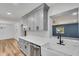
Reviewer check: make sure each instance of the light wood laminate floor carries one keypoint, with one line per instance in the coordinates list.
(10, 47)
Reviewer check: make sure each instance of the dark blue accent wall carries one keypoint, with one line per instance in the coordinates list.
(70, 30)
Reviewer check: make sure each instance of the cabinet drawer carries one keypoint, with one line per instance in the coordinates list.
(24, 45)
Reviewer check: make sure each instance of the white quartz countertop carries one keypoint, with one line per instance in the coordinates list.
(70, 48)
(36, 40)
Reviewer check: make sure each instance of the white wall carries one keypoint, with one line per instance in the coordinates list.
(7, 21)
(7, 29)
(58, 8)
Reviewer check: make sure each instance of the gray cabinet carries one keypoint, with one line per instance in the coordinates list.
(37, 19)
(24, 46)
(29, 48)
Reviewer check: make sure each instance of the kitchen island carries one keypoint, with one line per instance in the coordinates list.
(30, 44)
(49, 46)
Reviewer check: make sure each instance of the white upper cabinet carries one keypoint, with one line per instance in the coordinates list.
(37, 19)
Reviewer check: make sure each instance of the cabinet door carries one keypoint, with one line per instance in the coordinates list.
(35, 21)
(31, 23)
(39, 19)
(25, 46)
(22, 44)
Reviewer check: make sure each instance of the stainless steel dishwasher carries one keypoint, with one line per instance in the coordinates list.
(35, 50)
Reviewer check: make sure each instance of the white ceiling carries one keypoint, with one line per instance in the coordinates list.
(66, 17)
(17, 9)
(67, 14)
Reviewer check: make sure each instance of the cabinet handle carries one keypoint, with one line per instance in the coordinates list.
(25, 46)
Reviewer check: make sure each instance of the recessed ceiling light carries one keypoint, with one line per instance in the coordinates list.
(15, 4)
(9, 13)
(75, 13)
